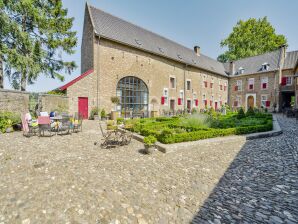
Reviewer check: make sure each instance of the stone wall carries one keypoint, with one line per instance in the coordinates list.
(48, 102)
(14, 101)
(118, 61)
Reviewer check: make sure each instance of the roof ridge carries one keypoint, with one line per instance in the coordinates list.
(254, 56)
(147, 30)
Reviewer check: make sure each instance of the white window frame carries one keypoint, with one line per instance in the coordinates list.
(291, 80)
(239, 85)
(251, 80)
(172, 77)
(264, 80)
(181, 95)
(240, 71)
(166, 96)
(263, 100)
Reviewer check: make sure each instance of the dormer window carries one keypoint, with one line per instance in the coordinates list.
(138, 42)
(265, 66)
(161, 50)
(241, 71)
(179, 56)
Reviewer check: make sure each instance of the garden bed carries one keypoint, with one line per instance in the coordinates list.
(200, 126)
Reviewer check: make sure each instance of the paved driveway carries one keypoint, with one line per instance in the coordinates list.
(69, 180)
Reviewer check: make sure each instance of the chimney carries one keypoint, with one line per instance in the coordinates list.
(232, 68)
(197, 50)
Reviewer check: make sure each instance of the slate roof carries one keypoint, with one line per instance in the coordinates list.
(114, 28)
(253, 65)
(291, 60)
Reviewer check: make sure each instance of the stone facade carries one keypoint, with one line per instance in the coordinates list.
(47, 102)
(15, 101)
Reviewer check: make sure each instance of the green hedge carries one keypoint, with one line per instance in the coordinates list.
(8, 119)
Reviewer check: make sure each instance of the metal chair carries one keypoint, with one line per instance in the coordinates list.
(44, 124)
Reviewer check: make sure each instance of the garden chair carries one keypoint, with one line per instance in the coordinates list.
(64, 127)
(44, 124)
(125, 137)
(110, 138)
(77, 123)
(28, 129)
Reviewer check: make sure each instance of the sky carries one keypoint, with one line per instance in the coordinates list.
(192, 22)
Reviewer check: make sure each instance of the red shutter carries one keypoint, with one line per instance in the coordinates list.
(264, 86)
(162, 100)
(179, 101)
(210, 103)
(283, 81)
(236, 88)
(267, 103)
(206, 102)
(251, 86)
(197, 102)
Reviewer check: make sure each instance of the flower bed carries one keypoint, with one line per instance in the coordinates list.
(200, 126)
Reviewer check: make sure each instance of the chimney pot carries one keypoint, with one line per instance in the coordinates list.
(197, 50)
(232, 68)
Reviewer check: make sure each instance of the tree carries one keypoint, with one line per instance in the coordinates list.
(1, 74)
(33, 36)
(249, 38)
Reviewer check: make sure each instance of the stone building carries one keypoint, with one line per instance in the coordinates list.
(151, 73)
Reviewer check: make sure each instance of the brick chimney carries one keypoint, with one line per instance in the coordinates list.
(197, 50)
(232, 68)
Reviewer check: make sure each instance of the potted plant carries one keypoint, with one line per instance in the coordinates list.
(274, 107)
(149, 143)
(114, 113)
(94, 114)
(103, 115)
(154, 113)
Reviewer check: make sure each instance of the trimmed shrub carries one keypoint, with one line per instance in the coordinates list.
(120, 120)
(241, 113)
(250, 112)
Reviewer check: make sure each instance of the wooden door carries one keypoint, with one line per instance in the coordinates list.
(83, 107)
(172, 105)
(250, 102)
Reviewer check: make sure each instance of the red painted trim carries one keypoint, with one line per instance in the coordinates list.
(76, 80)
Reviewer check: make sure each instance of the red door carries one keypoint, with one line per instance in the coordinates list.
(83, 107)
(215, 105)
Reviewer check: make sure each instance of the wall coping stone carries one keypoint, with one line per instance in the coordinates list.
(14, 91)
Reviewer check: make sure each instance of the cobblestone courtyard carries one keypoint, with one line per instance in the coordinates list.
(66, 179)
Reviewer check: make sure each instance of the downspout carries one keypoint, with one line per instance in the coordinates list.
(97, 71)
(184, 94)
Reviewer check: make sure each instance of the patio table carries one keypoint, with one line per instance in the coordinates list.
(57, 120)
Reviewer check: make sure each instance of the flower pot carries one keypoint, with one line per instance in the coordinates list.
(149, 149)
(114, 115)
(96, 117)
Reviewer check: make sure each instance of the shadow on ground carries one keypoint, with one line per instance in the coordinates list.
(260, 185)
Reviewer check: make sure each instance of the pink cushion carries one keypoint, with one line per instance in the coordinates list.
(43, 120)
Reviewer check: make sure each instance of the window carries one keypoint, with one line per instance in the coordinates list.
(205, 84)
(211, 85)
(225, 87)
(288, 81)
(166, 96)
(133, 95)
(237, 102)
(264, 101)
(264, 82)
(188, 85)
(265, 66)
(238, 86)
(220, 85)
(181, 98)
(204, 99)
(172, 82)
(211, 101)
(220, 101)
(195, 100)
(251, 82)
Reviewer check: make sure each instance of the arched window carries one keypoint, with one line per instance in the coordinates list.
(133, 95)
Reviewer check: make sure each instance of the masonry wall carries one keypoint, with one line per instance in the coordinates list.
(87, 44)
(86, 87)
(14, 101)
(47, 102)
(118, 61)
(257, 91)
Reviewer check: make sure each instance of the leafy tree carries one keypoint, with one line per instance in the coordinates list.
(249, 38)
(33, 36)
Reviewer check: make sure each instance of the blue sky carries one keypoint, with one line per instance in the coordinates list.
(191, 22)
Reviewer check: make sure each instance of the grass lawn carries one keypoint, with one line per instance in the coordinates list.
(200, 126)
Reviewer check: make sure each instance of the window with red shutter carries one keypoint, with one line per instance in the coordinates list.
(283, 81)
(197, 102)
(206, 84)
(267, 103)
(162, 100)
(236, 88)
(179, 101)
(210, 103)
(251, 86)
(264, 86)
(206, 102)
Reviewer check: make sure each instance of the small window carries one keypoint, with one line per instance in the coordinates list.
(166, 95)
(264, 101)
(188, 85)
(241, 71)
(265, 66)
(289, 81)
(238, 86)
(264, 82)
(251, 82)
(181, 96)
(172, 82)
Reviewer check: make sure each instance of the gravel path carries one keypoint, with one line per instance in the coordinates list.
(261, 185)
(66, 179)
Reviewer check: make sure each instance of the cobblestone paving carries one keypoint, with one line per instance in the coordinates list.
(261, 185)
(66, 179)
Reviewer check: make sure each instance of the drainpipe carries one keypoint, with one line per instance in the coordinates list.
(184, 94)
(98, 72)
